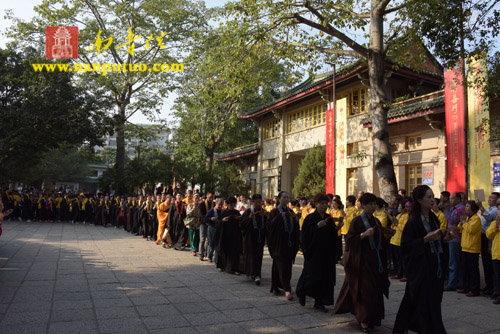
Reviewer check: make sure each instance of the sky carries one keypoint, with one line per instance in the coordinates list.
(23, 9)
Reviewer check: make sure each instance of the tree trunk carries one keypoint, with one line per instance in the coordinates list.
(377, 106)
(209, 159)
(120, 151)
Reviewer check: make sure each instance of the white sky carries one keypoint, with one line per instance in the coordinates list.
(23, 9)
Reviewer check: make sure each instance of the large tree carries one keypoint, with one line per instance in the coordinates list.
(40, 112)
(228, 73)
(135, 32)
(315, 31)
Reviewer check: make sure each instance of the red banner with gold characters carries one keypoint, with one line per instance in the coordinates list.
(330, 148)
(455, 135)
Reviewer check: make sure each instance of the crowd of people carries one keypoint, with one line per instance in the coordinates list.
(421, 240)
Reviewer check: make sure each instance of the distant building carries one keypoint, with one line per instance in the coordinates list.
(161, 136)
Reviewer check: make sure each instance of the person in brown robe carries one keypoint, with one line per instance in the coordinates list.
(228, 238)
(366, 281)
(253, 231)
(283, 243)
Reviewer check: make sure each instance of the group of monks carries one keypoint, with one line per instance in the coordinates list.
(364, 236)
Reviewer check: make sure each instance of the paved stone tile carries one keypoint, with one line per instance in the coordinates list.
(72, 315)
(265, 326)
(35, 297)
(148, 300)
(209, 318)
(230, 328)
(78, 272)
(179, 330)
(156, 310)
(129, 325)
(71, 296)
(112, 302)
(21, 318)
(82, 326)
(230, 304)
(72, 305)
(108, 294)
(165, 321)
(244, 314)
(31, 328)
(29, 306)
(119, 312)
(194, 308)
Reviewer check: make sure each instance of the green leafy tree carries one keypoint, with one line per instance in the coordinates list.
(41, 112)
(312, 173)
(164, 27)
(229, 182)
(312, 31)
(228, 73)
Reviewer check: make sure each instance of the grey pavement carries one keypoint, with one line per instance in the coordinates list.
(64, 278)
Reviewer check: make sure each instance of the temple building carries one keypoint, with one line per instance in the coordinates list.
(292, 124)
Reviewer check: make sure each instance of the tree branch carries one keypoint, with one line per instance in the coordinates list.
(351, 53)
(329, 29)
(394, 9)
(353, 13)
(381, 6)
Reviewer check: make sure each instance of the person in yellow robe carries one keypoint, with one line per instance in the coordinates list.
(162, 214)
(443, 222)
(493, 234)
(398, 225)
(470, 226)
(338, 214)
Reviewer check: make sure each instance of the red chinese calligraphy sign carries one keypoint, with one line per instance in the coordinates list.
(61, 42)
(330, 148)
(455, 136)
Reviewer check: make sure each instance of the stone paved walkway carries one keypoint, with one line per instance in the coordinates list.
(64, 278)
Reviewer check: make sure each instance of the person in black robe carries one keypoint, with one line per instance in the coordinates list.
(228, 238)
(98, 211)
(422, 250)
(283, 242)
(135, 214)
(128, 214)
(365, 265)
(319, 244)
(253, 231)
(175, 223)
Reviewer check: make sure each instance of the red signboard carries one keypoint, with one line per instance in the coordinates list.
(330, 148)
(61, 42)
(455, 135)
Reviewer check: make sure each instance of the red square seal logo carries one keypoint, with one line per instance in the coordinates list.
(61, 42)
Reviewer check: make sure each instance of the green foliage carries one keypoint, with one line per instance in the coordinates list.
(229, 182)
(130, 92)
(312, 173)
(228, 73)
(149, 167)
(42, 111)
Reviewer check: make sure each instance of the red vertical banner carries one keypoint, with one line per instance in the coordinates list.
(330, 148)
(455, 136)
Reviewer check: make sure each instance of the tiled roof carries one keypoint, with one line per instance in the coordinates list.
(404, 108)
(238, 152)
(316, 80)
(308, 83)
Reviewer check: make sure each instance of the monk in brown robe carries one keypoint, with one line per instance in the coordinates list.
(366, 281)
(253, 232)
(283, 243)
